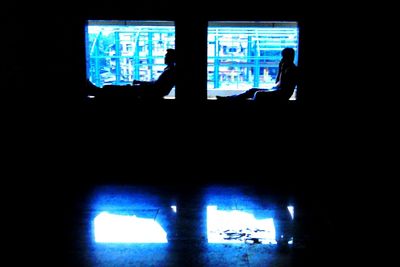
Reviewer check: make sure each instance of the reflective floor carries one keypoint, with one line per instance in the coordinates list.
(127, 225)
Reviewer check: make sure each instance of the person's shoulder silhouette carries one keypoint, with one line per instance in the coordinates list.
(285, 83)
(167, 79)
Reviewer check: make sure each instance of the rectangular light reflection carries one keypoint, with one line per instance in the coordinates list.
(236, 226)
(112, 228)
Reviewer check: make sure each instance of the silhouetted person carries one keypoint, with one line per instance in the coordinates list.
(285, 83)
(142, 89)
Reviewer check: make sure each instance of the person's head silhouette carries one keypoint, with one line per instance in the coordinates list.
(170, 57)
(288, 54)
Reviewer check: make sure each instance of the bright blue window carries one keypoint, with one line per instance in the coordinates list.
(119, 51)
(246, 54)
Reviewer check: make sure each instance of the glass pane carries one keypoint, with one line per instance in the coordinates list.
(244, 55)
(118, 52)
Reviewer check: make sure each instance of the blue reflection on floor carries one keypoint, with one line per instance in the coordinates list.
(114, 228)
(145, 226)
(238, 226)
(127, 226)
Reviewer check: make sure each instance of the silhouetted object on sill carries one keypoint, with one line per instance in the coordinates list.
(285, 83)
(148, 90)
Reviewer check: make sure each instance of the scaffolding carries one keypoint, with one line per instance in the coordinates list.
(241, 55)
(246, 56)
(118, 53)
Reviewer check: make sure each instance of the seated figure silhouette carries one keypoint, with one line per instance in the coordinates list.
(285, 83)
(141, 89)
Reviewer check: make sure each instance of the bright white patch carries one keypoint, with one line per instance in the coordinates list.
(111, 228)
(291, 211)
(173, 208)
(237, 227)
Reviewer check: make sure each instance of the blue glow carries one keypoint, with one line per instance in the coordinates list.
(120, 51)
(246, 54)
(236, 226)
(291, 211)
(112, 228)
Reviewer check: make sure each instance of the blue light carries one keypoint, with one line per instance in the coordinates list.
(236, 226)
(291, 211)
(112, 228)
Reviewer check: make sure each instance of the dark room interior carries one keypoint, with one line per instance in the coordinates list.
(190, 152)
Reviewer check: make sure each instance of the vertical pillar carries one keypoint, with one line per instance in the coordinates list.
(191, 49)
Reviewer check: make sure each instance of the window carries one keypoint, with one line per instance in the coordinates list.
(120, 51)
(246, 54)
